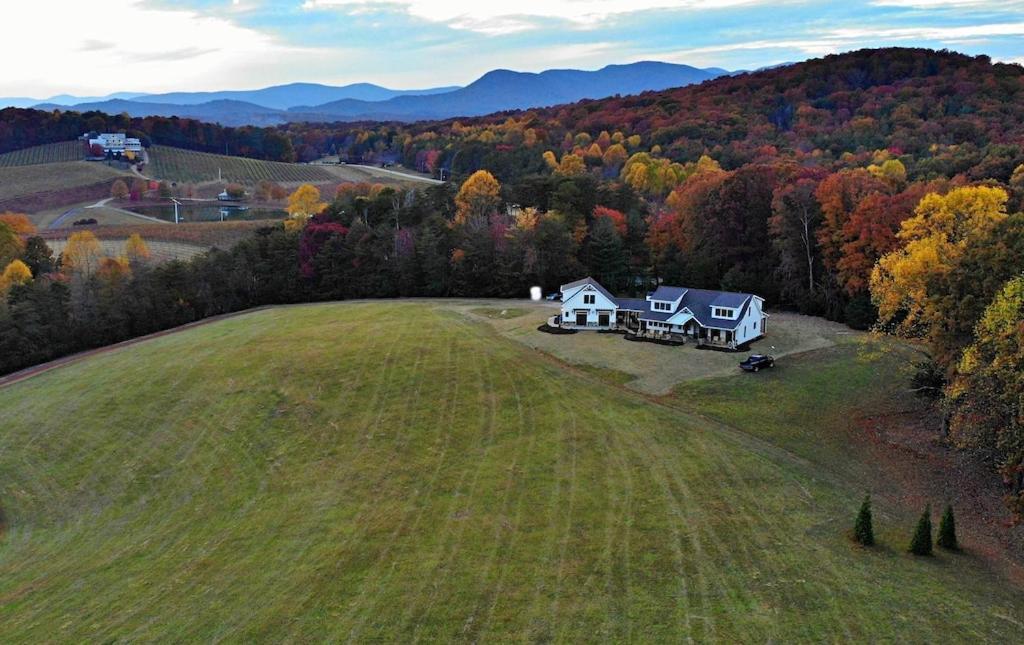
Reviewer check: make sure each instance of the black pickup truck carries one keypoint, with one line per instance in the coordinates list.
(755, 362)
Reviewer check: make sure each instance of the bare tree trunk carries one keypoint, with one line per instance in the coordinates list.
(806, 221)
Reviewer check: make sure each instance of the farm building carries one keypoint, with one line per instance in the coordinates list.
(117, 143)
(715, 318)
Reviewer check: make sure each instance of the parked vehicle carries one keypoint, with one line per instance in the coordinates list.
(553, 296)
(755, 362)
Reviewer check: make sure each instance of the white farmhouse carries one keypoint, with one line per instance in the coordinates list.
(117, 143)
(717, 318)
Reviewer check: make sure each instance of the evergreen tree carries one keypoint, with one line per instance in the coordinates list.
(863, 532)
(607, 258)
(921, 544)
(947, 530)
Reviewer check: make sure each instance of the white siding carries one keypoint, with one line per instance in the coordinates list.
(576, 303)
(750, 327)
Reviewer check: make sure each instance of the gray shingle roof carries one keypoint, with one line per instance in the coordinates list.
(731, 300)
(670, 294)
(585, 281)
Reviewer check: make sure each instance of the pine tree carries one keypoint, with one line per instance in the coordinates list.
(921, 544)
(863, 532)
(947, 530)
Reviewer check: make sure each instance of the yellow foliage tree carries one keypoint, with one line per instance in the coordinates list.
(934, 238)
(527, 218)
(11, 244)
(892, 172)
(82, 254)
(571, 165)
(303, 204)
(17, 272)
(615, 155)
(136, 249)
(550, 159)
(479, 196)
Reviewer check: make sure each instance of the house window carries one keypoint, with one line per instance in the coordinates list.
(589, 299)
(720, 312)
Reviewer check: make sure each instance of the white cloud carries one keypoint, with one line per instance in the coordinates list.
(949, 4)
(71, 46)
(495, 17)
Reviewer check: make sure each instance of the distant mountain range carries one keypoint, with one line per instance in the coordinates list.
(495, 91)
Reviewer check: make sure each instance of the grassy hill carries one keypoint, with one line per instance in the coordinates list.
(321, 472)
(177, 164)
(54, 178)
(49, 153)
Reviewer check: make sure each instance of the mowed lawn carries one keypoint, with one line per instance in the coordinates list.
(400, 471)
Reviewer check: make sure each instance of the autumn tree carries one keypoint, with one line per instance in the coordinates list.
(571, 165)
(138, 189)
(114, 270)
(15, 273)
(479, 197)
(303, 204)
(985, 396)
(237, 191)
(961, 295)
(19, 223)
(943, 225)
(839, 195)
(119, 190)
(82, 254)
(136, 249)
(550, 159)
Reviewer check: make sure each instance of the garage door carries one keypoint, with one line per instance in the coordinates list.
(581, 319)
(602, 320)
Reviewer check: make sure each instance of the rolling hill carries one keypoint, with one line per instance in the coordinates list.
(321, 473)
(495, 91)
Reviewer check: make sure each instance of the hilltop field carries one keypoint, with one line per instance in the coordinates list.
(180, 165)
(417, 470)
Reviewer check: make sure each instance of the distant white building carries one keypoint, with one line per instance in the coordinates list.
(117, 143)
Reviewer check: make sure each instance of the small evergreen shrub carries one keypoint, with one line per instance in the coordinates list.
(947, 530)
(863, 532)
(921, 544)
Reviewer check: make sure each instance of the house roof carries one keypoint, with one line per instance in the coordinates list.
(728, 299)
(584, 282)
(698, 301)
(669, 294)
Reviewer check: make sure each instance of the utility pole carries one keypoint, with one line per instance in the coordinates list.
(176, 205)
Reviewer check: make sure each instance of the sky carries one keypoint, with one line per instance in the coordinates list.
(102, 46)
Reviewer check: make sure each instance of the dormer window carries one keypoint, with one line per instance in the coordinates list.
(722, 312)
(662, 306)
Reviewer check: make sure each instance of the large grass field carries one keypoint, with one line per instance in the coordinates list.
(49, 153)
(176, 164)
(403, 471)
(19, 181)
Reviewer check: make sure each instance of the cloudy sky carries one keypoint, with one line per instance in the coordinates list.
(101, 46)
